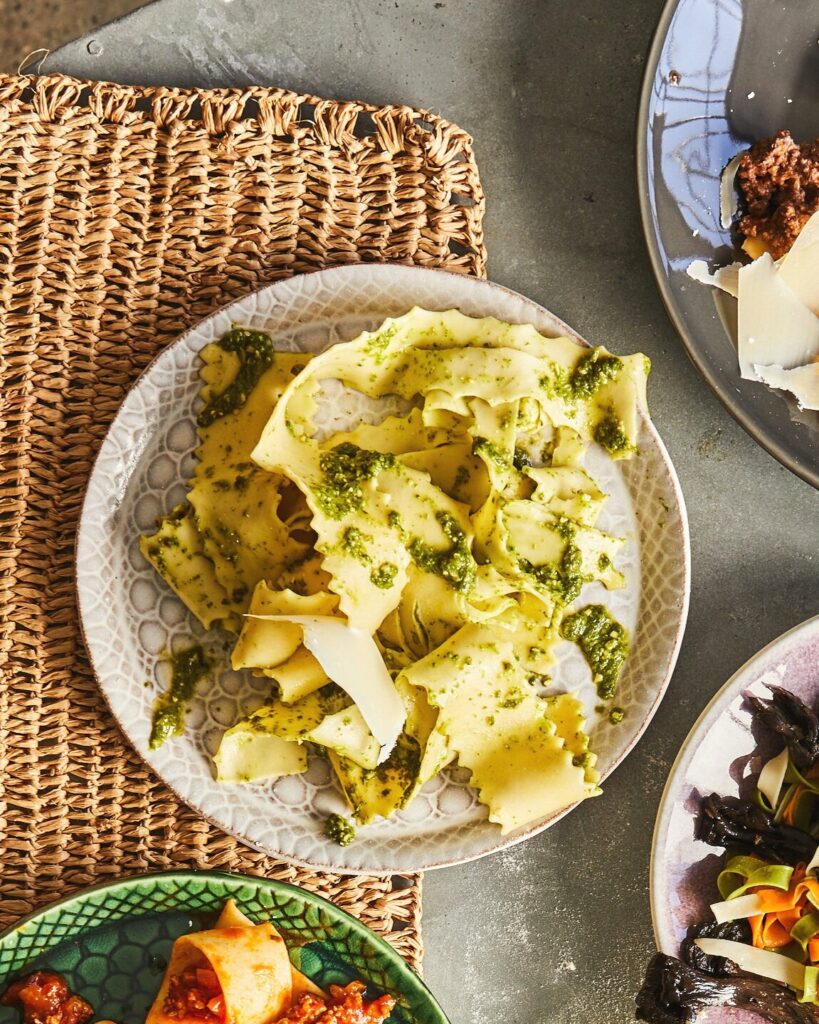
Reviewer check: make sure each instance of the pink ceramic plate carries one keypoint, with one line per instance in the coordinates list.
(722, 754)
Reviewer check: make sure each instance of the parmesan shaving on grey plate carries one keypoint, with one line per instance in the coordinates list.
(778, 315)
(801, 381)
(724, 278)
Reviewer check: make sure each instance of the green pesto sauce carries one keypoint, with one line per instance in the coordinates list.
(255, 352)
(396, 523)
(384, 575)
(616, 716)
(564, 582)
(352, 542)
(512, 699)
(169, 714)
(401, 767)
(339, 830)
(405, 760)
(592, 372)
(242, 482)
(157, 545)
(462, 477)
(583, 760)
(557, 383)
(490, 452)
(226, 540)
(563, 527)
(377, 346)
(611, 435)
(156, 549)
(346, 467)
(521, 459)
(604, 643)
(397, 774)
(455, 563)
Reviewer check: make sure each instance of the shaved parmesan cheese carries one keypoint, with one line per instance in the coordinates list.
(778, 314)
(761, 962)
(774, 325)
(801, 381)
(728, 200)
(733, 910)
(771, 778)
(724, 278)
(799, 268)
(814, 861)
(351, 659)
(265, 645)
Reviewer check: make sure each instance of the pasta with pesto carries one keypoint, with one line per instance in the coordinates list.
(403, 583)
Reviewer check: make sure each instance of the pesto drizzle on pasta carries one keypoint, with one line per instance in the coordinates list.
(453, 537)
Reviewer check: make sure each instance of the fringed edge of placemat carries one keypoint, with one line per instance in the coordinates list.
(282, 114)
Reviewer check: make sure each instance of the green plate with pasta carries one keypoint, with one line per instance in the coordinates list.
(113, 943)
(403, 560)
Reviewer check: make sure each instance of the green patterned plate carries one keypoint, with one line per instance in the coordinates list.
(112, 942)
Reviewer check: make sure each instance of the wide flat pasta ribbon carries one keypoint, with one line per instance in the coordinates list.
(500, 729)
(251, 965)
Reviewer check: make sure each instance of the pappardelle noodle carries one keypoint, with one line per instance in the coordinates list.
(403, 581)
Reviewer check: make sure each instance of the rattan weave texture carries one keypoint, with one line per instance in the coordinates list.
(127, 214)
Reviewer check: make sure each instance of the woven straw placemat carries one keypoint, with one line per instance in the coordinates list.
(126, 215)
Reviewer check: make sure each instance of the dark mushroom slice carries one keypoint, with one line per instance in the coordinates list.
(677, 993)
(789, 717)
(739, 825)
(734, 931)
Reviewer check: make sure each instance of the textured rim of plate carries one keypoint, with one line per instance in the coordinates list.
(724, 695)
(503, 842)
(734, 406)
(383, 947)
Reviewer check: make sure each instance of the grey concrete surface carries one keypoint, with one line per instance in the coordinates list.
(558, 929)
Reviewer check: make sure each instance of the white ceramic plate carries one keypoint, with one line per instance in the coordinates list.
(130, 617)
(720, 755)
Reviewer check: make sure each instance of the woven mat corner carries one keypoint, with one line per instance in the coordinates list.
(126, 215)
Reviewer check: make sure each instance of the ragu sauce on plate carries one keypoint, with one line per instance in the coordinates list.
(45, 998)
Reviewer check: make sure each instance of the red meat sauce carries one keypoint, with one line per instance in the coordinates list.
(195, 994)
(342, 1006)
(778, 180)
(45, 998)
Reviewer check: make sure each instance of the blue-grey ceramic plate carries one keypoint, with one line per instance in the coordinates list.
(721, 74)
(112, 942)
